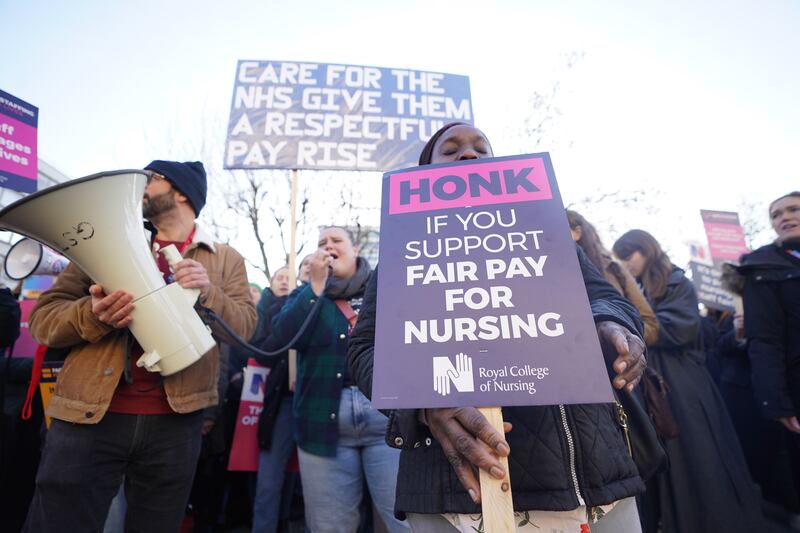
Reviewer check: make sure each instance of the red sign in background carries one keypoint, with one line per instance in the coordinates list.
(244, 448)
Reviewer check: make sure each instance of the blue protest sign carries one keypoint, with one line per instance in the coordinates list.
(298, 115)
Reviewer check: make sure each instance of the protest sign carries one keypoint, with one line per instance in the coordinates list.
(481, 301)
(47, 384)
(18, 159)
(244, 448)
(707, 282)
(25, 345)
(299, 115)
(725, 235)
(726, 243)
(699, 252)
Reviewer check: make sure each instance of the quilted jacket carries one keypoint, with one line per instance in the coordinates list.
(562, 456)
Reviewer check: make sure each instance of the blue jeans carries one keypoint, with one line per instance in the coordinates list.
(83, 465)
(115, 521)
(332, 486)
(272, 470)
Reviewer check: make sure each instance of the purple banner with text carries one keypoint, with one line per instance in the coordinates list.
(18, 159)
(481, 301)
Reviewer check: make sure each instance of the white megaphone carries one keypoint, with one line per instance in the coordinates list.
(96, 222)
(27, 257)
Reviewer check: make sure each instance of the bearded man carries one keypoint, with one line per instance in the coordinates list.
(113, 421)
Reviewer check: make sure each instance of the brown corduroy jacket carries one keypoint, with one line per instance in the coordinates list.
(63, 318)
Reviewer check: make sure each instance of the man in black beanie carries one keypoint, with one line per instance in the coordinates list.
(111, 419)
(188, 178)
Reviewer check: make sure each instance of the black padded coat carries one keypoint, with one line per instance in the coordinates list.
(562, 456)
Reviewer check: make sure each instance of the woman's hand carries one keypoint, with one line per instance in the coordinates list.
(469, 441)
(319, 265)
(627, 350)
(790, 423)
(738, 326)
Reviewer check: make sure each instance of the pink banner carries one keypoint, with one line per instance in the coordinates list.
(726, 239)
(498, 182)
(25, 345)
(18, 157)
(244, 449)
(17, 148)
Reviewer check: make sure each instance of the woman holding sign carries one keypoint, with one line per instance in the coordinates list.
(569, 465)
(708, 487)
(338, 433)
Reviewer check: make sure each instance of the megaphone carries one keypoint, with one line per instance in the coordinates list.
(27, 258)
(96, 222)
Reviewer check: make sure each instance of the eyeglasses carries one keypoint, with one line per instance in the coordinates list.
(153, 176)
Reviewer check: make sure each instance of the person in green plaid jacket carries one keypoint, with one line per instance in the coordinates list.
(339, 435)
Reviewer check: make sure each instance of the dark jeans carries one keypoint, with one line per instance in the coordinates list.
(83, 466)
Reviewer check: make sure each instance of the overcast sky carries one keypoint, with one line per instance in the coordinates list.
(694, 102)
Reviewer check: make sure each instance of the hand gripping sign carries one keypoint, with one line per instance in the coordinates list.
(481, 301)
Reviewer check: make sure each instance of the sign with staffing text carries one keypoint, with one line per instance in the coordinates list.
(481, 301)
(338, 117)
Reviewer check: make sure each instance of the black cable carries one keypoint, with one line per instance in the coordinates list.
(212, 316)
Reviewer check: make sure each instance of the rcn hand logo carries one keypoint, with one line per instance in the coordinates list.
(444, 372)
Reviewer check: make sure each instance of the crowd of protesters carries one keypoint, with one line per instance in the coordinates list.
(717, 392)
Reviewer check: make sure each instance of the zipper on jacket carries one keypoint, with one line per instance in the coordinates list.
(571, 445)
(623, 423)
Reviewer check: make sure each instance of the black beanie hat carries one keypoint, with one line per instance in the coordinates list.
(189, 178)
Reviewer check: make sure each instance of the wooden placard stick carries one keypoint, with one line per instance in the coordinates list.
(496, 503)
(293, 269)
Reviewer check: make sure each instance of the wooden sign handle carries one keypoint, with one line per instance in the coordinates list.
(496, 503)
(293, 268)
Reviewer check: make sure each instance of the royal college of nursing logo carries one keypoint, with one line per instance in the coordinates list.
(460, 374)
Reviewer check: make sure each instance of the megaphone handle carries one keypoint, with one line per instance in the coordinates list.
(172, 255)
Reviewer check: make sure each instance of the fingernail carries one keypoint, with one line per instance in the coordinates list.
(622, 366)
(497, 472)
(503, 448)
(473, 495)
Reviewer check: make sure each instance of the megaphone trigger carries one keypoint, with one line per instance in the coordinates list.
(172, 255)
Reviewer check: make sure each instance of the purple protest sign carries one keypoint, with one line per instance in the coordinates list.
(18, 160)
(481, 301)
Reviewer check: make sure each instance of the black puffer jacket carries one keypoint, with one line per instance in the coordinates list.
(772, 328)
(562, 456)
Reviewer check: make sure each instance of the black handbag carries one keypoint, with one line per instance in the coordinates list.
(644, 444)
(655, 391)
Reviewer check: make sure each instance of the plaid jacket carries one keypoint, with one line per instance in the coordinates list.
(321, 360)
